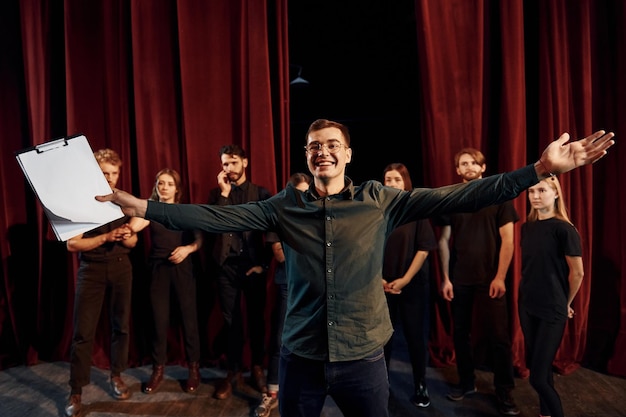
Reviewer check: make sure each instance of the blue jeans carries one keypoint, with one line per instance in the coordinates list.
(360, 388)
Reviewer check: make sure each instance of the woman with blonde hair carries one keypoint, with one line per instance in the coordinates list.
(552, 271)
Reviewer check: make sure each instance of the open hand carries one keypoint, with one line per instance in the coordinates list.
(563, 155)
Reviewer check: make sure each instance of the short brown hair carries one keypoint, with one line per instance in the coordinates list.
(473, 152)
(320, 124)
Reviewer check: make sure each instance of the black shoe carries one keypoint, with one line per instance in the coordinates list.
(421, 398)
(73, 406)
(506, 404)
(459, 392)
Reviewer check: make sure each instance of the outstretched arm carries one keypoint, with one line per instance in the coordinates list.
(131, 205)
(562, 156)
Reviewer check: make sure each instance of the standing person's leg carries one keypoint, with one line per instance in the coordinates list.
(120, 275)
(255, 291)
(548, 335)
(160, 282)
(185, 288)
(462, 316)
(269, 400)
(360, 388)
(495, 314)
(278, 320)
(393, 304)
(415, 310)
(88, 300)
(303, 387)
(230, 298)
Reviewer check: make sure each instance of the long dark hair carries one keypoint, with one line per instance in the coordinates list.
(176, 176)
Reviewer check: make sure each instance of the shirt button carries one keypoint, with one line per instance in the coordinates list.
(328, 243)
(331, 297)
(328, 218)
(331, 323)
(329, 270)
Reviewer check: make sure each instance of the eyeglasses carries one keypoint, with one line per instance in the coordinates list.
(333, 147)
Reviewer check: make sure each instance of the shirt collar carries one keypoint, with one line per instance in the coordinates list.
(347, 193)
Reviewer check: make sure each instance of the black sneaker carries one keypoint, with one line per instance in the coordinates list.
(459, 392)
(506, 404)
(421, 398)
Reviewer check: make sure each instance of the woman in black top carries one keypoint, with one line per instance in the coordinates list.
(406, 284)
(172, 268)
(552, 271)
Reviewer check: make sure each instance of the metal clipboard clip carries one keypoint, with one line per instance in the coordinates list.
(55, 144)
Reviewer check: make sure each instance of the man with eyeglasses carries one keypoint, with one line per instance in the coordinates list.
(333, 236)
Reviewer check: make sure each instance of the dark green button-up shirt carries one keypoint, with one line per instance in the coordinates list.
(334, 246)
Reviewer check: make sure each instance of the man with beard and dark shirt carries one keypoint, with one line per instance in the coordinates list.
(474, 269)
(240, 259)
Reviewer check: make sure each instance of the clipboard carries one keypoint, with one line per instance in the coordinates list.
(66, 177)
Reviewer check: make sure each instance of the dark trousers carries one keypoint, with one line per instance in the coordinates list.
(542, 339)
(94, 280)
(411, 308)
(167, 276)
(493, 318)
(360, 388)
(232, 284)
(278, 320)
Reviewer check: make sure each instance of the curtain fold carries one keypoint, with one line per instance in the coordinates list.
(166, 83)
(507, 78)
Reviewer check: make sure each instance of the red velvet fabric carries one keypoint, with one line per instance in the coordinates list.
(166, 83)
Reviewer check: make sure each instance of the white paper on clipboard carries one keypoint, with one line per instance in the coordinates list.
(66, 177)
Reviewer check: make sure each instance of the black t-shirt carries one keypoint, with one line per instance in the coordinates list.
(475, 243)
(544, 288)
(403, 244)
(109, 250)
(163, 240)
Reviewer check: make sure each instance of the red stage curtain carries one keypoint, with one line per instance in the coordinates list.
(166, 83)
(508, 77)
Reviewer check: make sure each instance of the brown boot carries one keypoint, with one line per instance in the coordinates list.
(193, 381)
(119, 389)
(258, 377)
(155, 379)
(73, 406)
(224, 388)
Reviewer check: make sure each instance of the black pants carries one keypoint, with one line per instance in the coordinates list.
(179, 277)
(94, 280)
(232, 284)
(412, 309)
(542, 339)
(493, 317)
